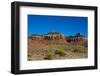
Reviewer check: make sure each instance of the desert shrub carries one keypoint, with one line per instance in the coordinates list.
(75, 50)
(49, 55)
(80, 49)
(29, 59)
(29, 55)
(61, 52)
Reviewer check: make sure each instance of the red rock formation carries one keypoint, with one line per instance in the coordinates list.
(56, 38)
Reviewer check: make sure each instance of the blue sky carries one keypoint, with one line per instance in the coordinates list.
(67, 25)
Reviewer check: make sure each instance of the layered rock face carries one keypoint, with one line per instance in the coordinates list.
(77, 39)
(49, 36)
(56, 37)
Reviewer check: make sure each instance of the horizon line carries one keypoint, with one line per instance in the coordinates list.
(58, 32)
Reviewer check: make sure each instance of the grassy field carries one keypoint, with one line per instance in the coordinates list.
(41, 50)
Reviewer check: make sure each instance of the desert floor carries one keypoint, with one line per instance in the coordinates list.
(38, 50)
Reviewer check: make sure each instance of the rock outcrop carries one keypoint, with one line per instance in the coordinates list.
(56, 37)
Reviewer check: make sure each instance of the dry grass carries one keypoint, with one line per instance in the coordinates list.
(44, 50)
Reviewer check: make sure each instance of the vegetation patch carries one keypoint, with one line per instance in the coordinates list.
(79, 49)
(60, 52)
(49, 55)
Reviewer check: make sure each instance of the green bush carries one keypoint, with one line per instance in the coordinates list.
(49, 55)
(76, 50)
(61, 52)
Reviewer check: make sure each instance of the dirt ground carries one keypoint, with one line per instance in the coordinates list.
(38, 50)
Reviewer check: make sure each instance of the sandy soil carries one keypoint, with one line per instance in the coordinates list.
(37, 50)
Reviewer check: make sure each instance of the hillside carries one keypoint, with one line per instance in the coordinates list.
(57, 45)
